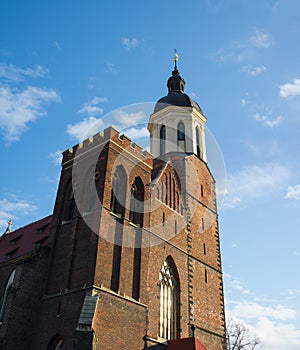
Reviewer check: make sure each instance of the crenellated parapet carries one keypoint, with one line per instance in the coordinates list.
(100, 139)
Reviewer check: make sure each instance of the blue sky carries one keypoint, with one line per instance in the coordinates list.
(66, 64)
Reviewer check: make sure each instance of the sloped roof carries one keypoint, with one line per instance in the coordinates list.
(185, 344)
(25, 239)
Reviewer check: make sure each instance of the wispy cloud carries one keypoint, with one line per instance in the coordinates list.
(238, 285)
(56, 44)
(253, 71)
(293, 192)
(91, 124)
(267, 121)
(129, 43)
(240, 51)
(19, 107)
(111, 68)
(56, 156)
(261, 39)
(123, 119)
(13, 73)
(21, 104)
(92, 107)
(12, 208)
(255, 181)
(290, 89)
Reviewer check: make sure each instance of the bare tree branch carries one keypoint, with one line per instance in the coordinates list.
(240, 338)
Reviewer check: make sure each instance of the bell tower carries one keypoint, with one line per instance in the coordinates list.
(174, 129)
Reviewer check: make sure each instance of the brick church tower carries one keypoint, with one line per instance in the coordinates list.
(133, 256)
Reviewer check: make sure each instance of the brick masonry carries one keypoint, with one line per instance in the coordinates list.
(180, 222)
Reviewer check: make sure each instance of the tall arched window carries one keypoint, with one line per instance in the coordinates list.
(117, 205)
(69, 204)
(91, 190)
(169, 321)
(137, 217)
(181, 137)
(6, 293)
(162, 137)
(118, 193)
(198, 142)
(137, 202)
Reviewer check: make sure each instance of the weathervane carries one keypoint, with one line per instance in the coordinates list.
(176, 58)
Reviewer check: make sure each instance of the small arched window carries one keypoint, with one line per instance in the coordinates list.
(162, 137)
(6, 293)
(118, 192)
(169, 320)
(181, 137)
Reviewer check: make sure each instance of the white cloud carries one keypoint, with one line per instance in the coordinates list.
(20, 107)
(13, 73)
(274, 324)
(122, 119)
(267, 121)
(255, 181)
(136, 133)
(261, 39)
(253, 70)
(293, 192)
(231, 202)
(85, 128)
(56, 156)
(13, 208)
(19, 104)
(252, 310)
(238, 284)
(92, 108)
(129, 44)
(290, 89)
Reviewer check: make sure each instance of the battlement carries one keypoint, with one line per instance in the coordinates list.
(109, 134)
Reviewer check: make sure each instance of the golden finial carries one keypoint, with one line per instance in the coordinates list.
(176, 58)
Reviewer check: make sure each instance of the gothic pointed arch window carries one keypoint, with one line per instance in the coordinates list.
(137, 202)
(181, 137)
(137, 217)
(6, 293)
(91, 190)
(118, 192)
(162, 137)
(117, 206)
(69, 204)
(169, 320)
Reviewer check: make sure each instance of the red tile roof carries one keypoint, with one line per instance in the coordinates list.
(185, 344)
(25, 239)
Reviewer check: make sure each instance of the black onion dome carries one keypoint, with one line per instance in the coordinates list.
(176, 99)
(176, 95)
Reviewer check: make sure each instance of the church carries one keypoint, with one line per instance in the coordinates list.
(130, 257)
